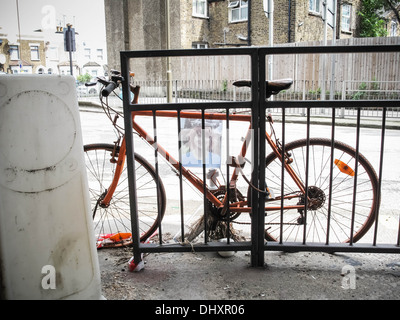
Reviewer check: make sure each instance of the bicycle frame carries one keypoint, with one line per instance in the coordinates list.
(238, 207)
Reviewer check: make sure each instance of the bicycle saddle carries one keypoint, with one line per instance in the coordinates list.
(272, 87)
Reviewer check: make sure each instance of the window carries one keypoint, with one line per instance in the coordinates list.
(393, 28)
(200, 8)
(99, 54)
(14, 52)
(52, 53)
(346, 14)
(87, 53)
(314, 6)
(34, 52)
(238, 10)
(199, 45)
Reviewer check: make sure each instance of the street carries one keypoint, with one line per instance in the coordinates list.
(98, 129)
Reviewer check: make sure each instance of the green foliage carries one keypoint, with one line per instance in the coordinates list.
(372, 24)
(83, 78)
(367, 92)
(224, 85)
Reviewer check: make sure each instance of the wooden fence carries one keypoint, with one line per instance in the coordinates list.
(355, 67)
(310, 69)
(342, 76)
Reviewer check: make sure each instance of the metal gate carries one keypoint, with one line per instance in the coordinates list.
(258, 107)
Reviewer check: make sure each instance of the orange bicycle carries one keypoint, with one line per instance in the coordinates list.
(305, 206)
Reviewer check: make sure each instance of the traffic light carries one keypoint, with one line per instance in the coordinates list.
(69, 39)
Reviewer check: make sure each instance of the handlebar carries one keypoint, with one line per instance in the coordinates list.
(109, 88)
(109, 85)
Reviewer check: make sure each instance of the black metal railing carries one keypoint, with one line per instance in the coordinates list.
(258, 105)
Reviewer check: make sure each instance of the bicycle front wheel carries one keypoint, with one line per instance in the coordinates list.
(343, 220)
(116, 218)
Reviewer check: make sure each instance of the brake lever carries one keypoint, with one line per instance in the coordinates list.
(102, 81)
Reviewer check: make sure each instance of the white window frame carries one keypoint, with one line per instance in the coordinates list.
(238, 6)
(52, 53)
(14, 50)
(99, 54)
(87, 53)
(35, 51)
(345, 23)
(393, 28)
(200, 8)
(199, 45)
(314, 6)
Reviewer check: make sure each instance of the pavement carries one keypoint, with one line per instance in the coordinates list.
(202, 276)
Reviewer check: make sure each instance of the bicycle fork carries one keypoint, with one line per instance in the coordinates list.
(105, 202)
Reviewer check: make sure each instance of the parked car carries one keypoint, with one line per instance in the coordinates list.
(82, 90)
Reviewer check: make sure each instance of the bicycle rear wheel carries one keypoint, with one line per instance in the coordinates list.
(116, 218)
(313, 224)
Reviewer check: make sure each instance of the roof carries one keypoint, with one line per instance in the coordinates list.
(16, 63)
(91, 64)
(66, 63)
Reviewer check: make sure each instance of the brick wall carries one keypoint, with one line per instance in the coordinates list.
(24, 54)
(140, 25)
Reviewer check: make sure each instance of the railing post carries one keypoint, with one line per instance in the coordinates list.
(258, 174)
(130, 161)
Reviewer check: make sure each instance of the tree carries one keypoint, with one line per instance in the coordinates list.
(372, 23)
(393, 6)
(83, 78)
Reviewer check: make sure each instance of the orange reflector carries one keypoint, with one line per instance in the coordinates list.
(120, 236)
(344, 168)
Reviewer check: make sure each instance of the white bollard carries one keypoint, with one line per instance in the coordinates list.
(47, 246)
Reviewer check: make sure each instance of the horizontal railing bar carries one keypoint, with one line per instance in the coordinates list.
(271, 246)
(271, 104)
(328, 49)
(330, 248)
(187, 52)
(333, 104)
(190, 106)
(262, 50)
(201, 247)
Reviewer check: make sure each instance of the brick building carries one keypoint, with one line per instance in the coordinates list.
(26, 56)
(140, 24)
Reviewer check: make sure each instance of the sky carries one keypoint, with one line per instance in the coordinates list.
(87, 16)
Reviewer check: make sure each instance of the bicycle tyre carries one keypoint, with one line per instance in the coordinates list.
(316, 219)
(116, 217)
